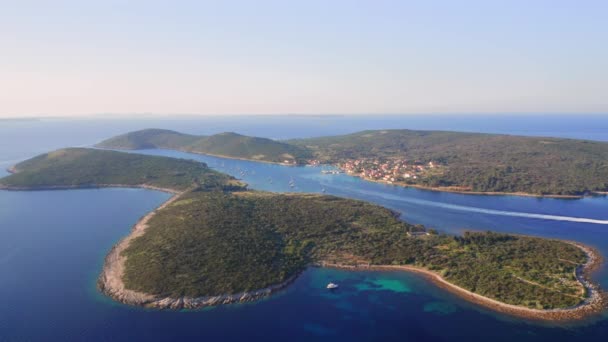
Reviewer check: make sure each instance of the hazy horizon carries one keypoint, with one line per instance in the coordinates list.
(112, 116)
(73, 58)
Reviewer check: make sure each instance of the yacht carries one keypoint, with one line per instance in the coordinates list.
(332, 286)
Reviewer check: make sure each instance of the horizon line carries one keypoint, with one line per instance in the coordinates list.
(118, 115)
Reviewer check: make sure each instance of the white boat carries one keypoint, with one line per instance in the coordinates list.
(332, 286)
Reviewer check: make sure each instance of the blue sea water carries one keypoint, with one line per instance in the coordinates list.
(52, 244)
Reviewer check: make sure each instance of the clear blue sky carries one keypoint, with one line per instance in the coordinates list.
(240, 57)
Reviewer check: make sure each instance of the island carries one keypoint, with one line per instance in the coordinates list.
(90, 168)
(217, 242)
(228, 145)
(471, 163)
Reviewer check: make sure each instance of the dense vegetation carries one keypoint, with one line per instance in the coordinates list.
(224, 144)
(481, 162)
(82, 167)
(210, 243)
(148, 139)
(470, 161)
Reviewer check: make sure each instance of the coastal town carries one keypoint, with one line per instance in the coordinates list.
(391, 170)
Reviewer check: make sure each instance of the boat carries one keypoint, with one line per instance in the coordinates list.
(332, 286)
(331, 172)
(323, 190)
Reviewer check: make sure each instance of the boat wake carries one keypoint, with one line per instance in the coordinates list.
(481, 210)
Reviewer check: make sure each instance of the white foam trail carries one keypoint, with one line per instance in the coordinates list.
(483, 210)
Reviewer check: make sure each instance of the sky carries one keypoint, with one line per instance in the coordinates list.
(302, 57)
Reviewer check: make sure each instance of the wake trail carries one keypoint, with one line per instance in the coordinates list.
(480, 210)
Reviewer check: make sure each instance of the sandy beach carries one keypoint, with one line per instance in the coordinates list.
(594, 304)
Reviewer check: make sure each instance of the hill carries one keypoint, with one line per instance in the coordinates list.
(478, 162)
(83, 167)
(149, 139)
(228, 144)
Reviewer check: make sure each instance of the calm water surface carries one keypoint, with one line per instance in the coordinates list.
(52, 245)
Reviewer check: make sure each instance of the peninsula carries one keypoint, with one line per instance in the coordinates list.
(215, 242)
(90, 168)
(444, 161)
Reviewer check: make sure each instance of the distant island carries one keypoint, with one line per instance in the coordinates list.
(231, 145)
(89, 168)
(216, 242)
(9, 120)
(445, 161)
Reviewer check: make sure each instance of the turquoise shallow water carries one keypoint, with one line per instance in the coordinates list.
(52, 245)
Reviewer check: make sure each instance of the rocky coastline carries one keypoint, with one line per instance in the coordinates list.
(110, 280)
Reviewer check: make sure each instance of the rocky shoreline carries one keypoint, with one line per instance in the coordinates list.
(110, 280)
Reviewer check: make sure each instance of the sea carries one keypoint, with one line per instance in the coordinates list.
(52, 243)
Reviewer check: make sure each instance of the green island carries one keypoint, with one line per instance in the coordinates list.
(227, 144)
(85, 167)
(439, 160)
(210, 243)
(216, 242)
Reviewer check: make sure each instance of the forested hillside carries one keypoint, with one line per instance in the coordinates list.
(480, 162)
(228, 144)
(83, 167)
